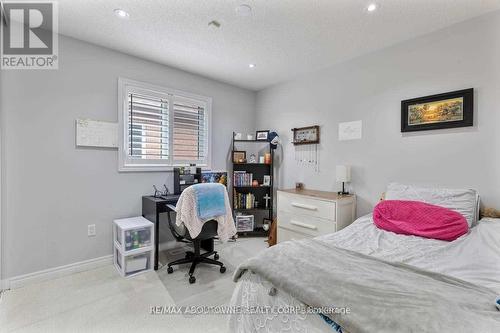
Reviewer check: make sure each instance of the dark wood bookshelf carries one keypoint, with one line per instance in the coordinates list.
(252, 187)
(258, 170)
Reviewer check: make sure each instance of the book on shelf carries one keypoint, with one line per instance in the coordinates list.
(244, 200)
(242, 178)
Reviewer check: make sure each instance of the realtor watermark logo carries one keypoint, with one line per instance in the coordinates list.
(29, 33)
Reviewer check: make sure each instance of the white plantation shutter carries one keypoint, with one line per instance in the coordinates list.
(189, 131)
(148, 129)
(162, 128)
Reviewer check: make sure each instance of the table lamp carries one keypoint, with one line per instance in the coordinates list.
(343, 174)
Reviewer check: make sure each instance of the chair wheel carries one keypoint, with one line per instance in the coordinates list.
(222, 269)
(192, 279)
(216, 256)
(170, 270)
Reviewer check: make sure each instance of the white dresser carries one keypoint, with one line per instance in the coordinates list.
(309, 213)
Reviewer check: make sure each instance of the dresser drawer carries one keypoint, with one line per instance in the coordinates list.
(299, 204)
(288, 235)
(306, 224)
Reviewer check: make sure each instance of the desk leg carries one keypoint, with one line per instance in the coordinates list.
(157, 239)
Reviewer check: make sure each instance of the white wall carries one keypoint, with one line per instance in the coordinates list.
(370, 88)
(51, 190)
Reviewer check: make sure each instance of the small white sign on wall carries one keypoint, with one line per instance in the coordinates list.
(351, 130)
(95, 133)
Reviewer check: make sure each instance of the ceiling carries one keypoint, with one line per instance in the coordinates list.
(284, 38)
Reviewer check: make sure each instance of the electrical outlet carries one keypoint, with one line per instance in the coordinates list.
(91, 230)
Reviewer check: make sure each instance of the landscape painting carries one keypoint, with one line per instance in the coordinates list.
(436, 112)
(449, 110)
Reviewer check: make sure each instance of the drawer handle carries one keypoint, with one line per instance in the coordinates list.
(308, 207)
(303, 225)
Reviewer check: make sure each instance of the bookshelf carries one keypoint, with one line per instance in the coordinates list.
(244, 194)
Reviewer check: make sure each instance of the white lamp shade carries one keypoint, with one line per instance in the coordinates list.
(343, 173)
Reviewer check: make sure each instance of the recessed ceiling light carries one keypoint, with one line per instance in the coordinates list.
(372, 7)
(244, 10)
(252, 65)
(121, 13)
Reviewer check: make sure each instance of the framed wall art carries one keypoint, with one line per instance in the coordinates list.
(448, 110)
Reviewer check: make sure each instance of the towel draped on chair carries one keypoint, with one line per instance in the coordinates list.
(201, 203)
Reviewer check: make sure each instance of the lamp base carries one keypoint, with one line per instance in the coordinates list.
(343, 192)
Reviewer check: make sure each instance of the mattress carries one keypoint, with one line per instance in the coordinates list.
(474, 257)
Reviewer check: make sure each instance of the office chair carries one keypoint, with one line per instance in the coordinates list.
(181, 234)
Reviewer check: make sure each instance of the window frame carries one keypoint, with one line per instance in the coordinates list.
(128, 164)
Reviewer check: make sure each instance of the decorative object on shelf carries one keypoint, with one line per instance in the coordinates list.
(299, 186)
(267, 198)
(267, 158)
(448, 110)
(266, 224)
(249, 137)
(238, 136)
(256, 204)
(255, 183)
(239, 156)
(343, 174)
(267, 180)
(306, 135)
(261, 159)
(261, 135)
(244, 223)
(252, 159)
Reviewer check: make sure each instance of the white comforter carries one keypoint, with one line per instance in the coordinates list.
(474, 257)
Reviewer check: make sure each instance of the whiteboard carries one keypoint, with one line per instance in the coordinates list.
(350, 130)
(96, 133)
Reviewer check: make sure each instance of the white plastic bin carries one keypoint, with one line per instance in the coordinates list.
(133, 245)
(133, 233)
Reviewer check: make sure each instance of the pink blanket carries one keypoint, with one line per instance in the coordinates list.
(419, 219)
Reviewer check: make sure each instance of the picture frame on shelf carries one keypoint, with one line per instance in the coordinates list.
(262, 135)
(267, 180)
(239, 156)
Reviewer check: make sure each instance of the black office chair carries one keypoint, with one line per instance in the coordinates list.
(181, 234)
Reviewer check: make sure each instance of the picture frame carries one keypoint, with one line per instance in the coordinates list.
(449, 110)
(239, 156)
(267, 180)
(306, 135)
(261, 135)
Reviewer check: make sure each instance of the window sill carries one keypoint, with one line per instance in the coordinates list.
(155, 168)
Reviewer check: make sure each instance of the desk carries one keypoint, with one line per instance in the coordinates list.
(152, 208)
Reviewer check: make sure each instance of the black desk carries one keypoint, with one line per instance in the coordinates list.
(152, 207)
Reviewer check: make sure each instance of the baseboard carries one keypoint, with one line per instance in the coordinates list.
(56, 272)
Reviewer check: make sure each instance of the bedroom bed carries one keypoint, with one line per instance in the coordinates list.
(451, 285)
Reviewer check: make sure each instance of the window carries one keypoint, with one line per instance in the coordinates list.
(161, 128)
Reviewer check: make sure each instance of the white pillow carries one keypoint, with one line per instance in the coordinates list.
(464, 202)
